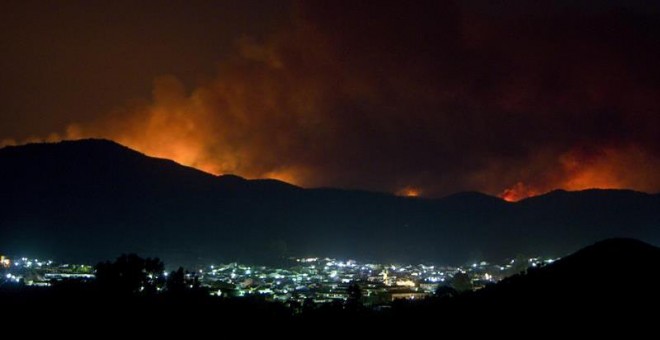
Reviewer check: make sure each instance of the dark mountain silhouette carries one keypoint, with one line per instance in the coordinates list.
(611, 273)
(606, 286)
(89, 200)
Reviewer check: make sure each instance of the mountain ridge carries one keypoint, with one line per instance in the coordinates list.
(54, 193)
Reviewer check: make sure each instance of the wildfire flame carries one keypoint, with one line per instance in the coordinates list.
(409, 192)
(315, 106)
(580, 169)
(518, 192)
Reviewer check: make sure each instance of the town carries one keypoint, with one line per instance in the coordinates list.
(308, 280)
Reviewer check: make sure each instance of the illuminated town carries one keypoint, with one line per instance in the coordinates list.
(315, 280)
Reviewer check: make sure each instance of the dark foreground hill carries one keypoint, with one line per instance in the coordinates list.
(610, 272)
(90, 200)
(608, 284)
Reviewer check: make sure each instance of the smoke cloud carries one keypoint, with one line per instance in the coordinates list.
(428, 98)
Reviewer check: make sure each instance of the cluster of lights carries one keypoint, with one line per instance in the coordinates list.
(326, 278)
(322, 279)
(12, 277)
(32, 263)
(36, 272)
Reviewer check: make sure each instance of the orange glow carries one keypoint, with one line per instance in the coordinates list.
(189, 129)
(317, 104)
(603, 171)
(409, 192)
(288, 176)
(517, 192)
(603, 168)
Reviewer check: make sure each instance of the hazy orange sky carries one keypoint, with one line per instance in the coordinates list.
(426, 98)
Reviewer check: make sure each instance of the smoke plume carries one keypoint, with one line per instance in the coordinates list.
(423, 98)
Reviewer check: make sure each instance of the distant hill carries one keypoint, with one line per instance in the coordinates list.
(90, 200)
(614, 272)
(609, 285)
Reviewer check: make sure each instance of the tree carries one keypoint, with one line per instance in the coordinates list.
(461, 282)
(129, 274)
(444, 292)
(519, 265)
(176, 282)
(181, 281)
(354, 296)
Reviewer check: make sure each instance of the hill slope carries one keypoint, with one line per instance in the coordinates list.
(613, 272)
(93, 199)
(610, 285)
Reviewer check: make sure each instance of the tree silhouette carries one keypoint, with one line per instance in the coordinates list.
(181, 282)
(461, 282)
(354, 296)
(176, 282)
(444, 292)
(130, 274)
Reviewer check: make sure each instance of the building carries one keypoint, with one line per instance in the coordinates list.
(5, 262)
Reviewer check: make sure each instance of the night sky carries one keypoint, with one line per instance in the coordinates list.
(510, 98)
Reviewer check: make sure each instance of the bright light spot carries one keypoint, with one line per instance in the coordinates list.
(405, 283)
(518, 192)
(409, 192)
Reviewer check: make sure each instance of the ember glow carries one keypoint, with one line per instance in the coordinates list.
(409, 192)
(450, 96)
(588, 168)
(518, 192)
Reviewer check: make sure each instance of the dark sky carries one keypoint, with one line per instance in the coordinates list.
(410, 96)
